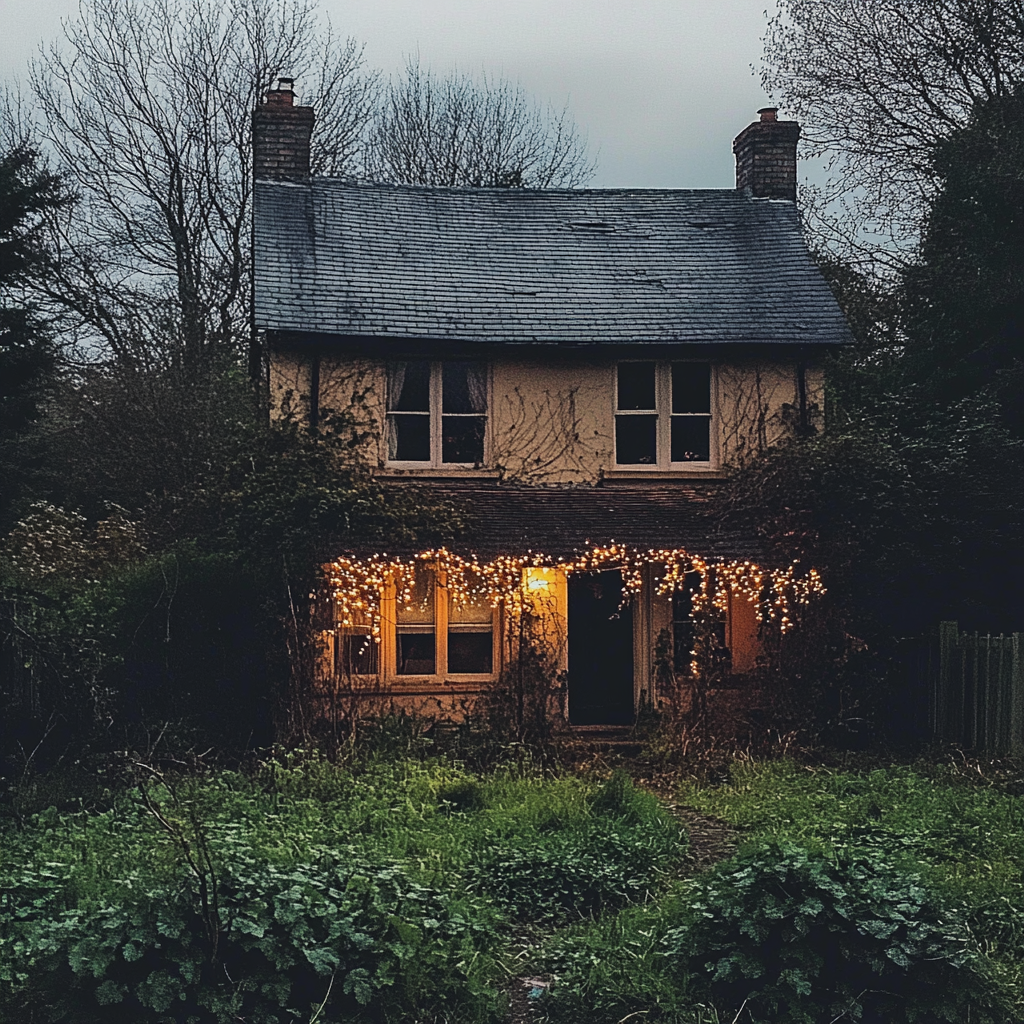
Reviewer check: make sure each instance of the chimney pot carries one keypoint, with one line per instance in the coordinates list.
(768, 114)
(283, 95)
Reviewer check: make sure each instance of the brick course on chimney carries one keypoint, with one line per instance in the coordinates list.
(766, 157)
(280, 135)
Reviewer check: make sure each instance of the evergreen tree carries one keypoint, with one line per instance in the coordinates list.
(964, 297)
(27, 354)
(28, 192)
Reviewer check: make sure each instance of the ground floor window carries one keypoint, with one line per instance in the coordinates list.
(470, 636)
(426, 631)
(684, 631)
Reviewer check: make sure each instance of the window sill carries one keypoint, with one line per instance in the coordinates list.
(654, 473)
(440, 472)
(432, 684)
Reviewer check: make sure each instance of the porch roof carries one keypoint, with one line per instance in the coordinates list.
(562, 521)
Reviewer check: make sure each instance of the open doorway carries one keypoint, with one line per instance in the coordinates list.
(600, 651)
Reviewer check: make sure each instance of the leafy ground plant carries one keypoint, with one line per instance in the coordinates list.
(963, 835)
(785, 933)
(895, 847)
(370, 892)
(574, 861)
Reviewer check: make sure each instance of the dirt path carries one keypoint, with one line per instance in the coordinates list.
(711, 839)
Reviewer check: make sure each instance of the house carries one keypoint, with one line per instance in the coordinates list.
(579, 370)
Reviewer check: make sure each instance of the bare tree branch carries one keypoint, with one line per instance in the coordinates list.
(456, 131)
(876, 85)
(146, 107)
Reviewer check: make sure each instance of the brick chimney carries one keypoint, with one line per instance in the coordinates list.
(280, 135)
(766, 157)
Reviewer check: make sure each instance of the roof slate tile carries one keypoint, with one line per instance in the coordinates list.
(623, 265)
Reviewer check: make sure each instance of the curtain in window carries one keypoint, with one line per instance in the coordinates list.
(476, 384)
(408, 400)
(396, 381)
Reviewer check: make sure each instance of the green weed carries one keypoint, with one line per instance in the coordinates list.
(382, 890)
(964, 840)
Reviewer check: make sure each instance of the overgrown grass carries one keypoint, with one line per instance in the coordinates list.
(820, 849)
(384, 890)
(958, 833)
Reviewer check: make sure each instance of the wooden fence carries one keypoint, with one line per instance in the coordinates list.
(976, 697)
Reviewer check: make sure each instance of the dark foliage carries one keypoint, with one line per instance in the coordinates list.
(28, 192)
(107, 648)
(788, 933)
(964, 297)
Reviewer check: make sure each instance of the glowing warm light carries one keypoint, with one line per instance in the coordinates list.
(539, 579)
(510, 581)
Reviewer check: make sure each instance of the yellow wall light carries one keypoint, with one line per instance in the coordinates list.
(538, 579)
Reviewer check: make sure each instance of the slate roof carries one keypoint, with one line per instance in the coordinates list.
(517, 265)
(503, 519)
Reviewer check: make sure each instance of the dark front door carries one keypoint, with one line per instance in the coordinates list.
(600, 651)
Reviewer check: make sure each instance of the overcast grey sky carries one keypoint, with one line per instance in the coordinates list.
(660, 86)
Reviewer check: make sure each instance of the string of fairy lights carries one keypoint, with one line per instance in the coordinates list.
(359, 585)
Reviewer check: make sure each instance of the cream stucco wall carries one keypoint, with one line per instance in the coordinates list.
(552, 421)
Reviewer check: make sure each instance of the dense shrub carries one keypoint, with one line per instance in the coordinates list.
(950, 825)
(791, 934)
(361, 937)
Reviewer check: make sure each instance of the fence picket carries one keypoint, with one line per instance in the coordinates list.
(1016, 697)
(977, 690)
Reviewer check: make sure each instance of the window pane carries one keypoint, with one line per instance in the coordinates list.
(683, 632)
(463, 387)
(409, 437)
(356, 654)
(691, 438)
(416, 654)
(682, 653)
(691, 387)
(476, 609)
(636, 386)
(418, 609)
(462, 438)
(409, 386)
(636, 440)
(470, 652)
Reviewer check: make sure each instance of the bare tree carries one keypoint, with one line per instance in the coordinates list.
(876, 84)
(146, 107)
(457, 131)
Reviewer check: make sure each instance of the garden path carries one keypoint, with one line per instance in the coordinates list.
(711, 841)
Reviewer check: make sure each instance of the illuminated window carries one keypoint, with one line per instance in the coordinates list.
(470, 636)
(683, 631)
(356, 651)
(437, 412)
(438, 633)
(416, 647)
(662, 414)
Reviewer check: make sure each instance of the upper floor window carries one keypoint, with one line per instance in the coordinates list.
(437, 412)
(662, 414)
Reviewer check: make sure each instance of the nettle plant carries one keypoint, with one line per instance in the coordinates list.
(782, 932)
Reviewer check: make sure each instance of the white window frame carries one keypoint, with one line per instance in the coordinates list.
(663, 412)
(390, 626)
(437, 415)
